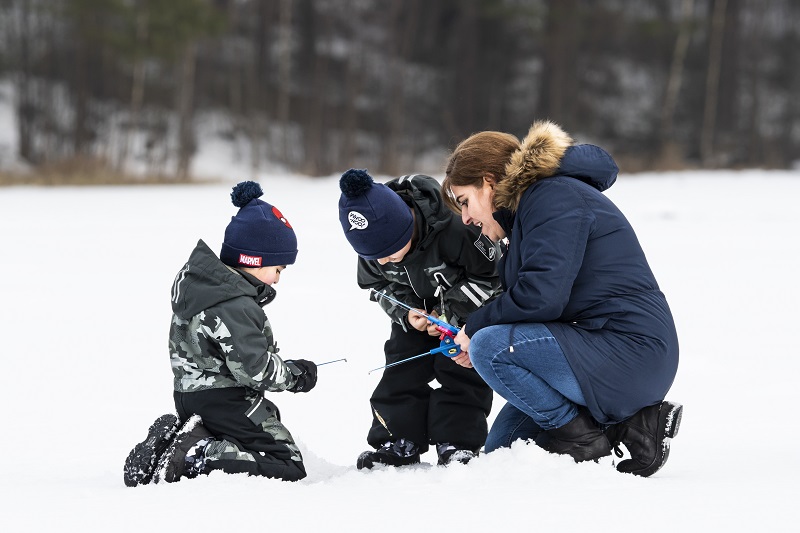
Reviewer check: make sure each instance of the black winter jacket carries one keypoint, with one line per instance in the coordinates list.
(446, 256)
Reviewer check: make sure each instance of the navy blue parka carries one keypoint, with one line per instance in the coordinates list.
(574, 263)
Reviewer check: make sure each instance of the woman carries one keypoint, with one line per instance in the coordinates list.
(581, 343)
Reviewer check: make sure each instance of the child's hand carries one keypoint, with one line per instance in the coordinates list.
(417, 321)
(432, 331)
(420, 323)
(305, 372)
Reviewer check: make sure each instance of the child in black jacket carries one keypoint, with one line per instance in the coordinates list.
(413, 248)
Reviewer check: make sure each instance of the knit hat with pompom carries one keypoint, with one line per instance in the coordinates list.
(375, 220)
(259, 235)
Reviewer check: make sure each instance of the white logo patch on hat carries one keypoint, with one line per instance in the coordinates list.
(357, 220)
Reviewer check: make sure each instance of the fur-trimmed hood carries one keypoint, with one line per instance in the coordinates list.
(547, 150)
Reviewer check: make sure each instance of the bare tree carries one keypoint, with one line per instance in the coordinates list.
(80, 89)
(285, 76)
(141, 20)
(712, 82)
(257, 87)
(755, 50)
(187, 144)
(354, 83)
(669, 148)
(562, 39)
(315, 114)
(24, 90)
(402, 25)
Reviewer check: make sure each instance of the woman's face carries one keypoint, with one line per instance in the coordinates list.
(477, 207)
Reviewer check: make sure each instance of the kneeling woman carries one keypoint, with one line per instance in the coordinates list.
(582, 343)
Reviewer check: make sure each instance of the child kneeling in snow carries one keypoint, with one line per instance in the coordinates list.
(224, 359)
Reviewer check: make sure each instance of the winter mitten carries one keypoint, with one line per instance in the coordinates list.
(305, 372)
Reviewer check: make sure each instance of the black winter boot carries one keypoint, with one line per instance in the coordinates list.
(580, 438)
(143, 458)
(647, 436)
(185, 456)
(401, 452)
(449, 453)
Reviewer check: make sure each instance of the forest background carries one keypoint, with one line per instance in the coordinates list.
(127, 90)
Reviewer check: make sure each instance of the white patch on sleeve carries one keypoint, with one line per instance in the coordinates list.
(488, 251)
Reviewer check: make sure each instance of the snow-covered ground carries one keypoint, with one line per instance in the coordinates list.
(85, 279)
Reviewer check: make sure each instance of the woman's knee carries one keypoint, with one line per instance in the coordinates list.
(494, 351)
(484, 347)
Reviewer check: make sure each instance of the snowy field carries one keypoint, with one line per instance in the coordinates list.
(85, 279)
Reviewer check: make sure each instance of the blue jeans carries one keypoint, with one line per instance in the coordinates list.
(524, 364)
(510, 425)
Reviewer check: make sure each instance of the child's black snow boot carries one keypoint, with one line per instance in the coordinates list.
(449, 453)
(581, 439)
(185, 456)
(401, 452)
(143, 458)
(647, 436)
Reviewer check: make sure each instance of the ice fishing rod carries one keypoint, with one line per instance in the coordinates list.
(447, 347)
(334, 361)
(443, 327)
(448, 332)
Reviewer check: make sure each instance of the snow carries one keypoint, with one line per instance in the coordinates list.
(85, 279)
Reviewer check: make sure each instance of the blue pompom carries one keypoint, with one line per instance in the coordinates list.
(355, 182)
(244, 192)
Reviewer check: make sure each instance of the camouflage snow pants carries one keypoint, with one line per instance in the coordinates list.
(251, 437)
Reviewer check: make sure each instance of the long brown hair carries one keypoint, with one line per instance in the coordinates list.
(480, 154)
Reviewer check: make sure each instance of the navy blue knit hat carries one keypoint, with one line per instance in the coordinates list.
(259, 235)
(375, 220)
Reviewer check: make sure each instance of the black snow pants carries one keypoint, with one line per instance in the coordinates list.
(252, 438)
(404, 405)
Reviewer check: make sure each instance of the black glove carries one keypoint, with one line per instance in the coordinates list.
(305, 372)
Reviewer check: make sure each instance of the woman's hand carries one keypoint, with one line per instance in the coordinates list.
(462, 339)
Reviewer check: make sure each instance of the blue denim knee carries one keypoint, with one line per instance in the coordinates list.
(525, 365)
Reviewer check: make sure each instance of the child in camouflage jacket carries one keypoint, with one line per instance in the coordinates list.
(224, 358)
(413, 248)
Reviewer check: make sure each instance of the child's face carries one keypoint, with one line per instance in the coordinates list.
(397, 256)
(269, 275)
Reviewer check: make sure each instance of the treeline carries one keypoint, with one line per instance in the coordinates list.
(323, 85)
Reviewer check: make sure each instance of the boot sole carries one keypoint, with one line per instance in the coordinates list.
(141, 462)
(369, 460)
(672, 418)
(165, 470)
(458, 456)
(669, 422)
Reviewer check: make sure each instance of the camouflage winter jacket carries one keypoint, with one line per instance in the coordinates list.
(220, 336)
(450, 265)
